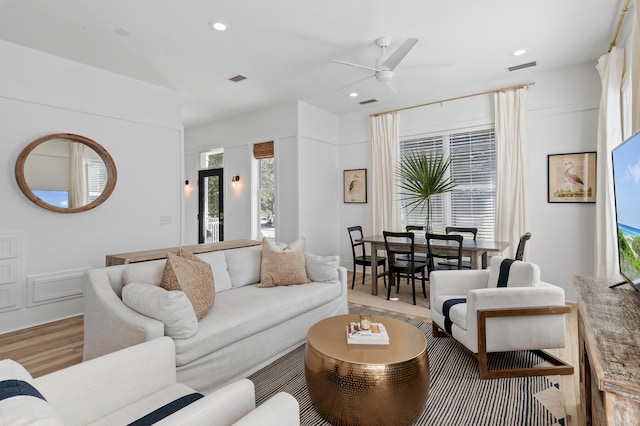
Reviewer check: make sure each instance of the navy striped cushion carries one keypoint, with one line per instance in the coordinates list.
(10, 388)
(505, 272)
(167, 410)
(505, 267)
(446, 308)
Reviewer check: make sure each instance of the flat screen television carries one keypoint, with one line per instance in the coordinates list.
(626, 183)
(53, 197)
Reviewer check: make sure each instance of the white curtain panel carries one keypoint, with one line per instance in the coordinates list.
(511, 133)
(611, 68)
(385, 146)
(78, 192)
(630, 83)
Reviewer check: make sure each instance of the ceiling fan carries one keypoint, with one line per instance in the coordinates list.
(383, 71)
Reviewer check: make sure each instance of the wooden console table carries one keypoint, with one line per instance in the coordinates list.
(143, 256)
(609, 346)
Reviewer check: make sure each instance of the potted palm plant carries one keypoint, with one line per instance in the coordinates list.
(422, 175)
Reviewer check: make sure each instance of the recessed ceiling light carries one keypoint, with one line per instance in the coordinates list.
(519, 52)
(218, 25)
(121, 32)
(353, 94)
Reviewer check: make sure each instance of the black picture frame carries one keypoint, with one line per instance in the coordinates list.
(355, 186)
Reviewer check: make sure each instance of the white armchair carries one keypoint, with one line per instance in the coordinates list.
(129, 384)
(506, 308)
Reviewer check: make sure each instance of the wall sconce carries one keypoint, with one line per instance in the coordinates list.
(234, 179)
(186, 182)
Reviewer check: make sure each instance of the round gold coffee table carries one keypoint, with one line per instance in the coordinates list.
(367, 384)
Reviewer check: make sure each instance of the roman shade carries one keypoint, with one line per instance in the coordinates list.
(263, 150)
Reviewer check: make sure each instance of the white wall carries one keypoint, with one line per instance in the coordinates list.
(237, 136)
(320, 179)
(306, 156)
(139, 124)
(562, 113)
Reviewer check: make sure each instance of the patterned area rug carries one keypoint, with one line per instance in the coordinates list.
(457, 396)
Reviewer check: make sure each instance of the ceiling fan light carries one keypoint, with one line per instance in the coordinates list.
(384, 76)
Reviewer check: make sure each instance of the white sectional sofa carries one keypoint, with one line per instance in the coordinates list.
(127, 385)
(247, 327)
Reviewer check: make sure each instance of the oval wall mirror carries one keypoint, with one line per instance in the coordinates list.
(66, 173)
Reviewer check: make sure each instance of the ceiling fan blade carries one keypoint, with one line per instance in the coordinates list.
(354, 65)
(355, 82)
(394, 59)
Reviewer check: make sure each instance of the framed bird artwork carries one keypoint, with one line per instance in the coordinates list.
(571, 178)
(355, 186)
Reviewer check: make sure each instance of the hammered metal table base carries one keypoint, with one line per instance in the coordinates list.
(367, 385)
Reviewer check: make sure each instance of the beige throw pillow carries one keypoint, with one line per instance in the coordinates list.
(186, 272)
(282, 266)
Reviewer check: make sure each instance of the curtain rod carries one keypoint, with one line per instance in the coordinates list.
(618, 26)
(488, 92)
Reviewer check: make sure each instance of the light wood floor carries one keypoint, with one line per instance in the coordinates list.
(51, 347)
(45, 348)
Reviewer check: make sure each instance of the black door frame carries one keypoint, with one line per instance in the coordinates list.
(202, 175)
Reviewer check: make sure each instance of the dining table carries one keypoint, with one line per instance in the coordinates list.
(477, 250)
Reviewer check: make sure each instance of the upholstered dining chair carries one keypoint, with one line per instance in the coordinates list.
(502, 309)
(456, 259)
(360, 257)
(523, 241)
(465, 232)
(398, 265)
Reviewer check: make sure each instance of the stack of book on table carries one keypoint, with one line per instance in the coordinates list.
(376, 335)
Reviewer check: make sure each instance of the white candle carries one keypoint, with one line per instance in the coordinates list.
(365, 321)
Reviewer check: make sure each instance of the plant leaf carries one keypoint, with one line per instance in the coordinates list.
(422, 175)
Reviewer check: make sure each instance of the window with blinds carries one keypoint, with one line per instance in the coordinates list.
(96, 178)
(473, 169)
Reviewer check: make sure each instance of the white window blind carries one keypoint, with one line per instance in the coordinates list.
(473, 169)
(96, 178)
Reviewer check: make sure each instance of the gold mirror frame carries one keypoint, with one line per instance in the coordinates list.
(110, 165)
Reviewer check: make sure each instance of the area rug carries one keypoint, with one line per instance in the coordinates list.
(457, 396)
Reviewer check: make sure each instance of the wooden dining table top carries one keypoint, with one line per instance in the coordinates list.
(471, 248)
(468, 244)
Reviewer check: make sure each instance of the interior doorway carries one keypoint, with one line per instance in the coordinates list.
(210, 206)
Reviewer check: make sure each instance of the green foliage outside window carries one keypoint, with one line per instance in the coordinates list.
(629, 258)
(215, 161)
(267, 179)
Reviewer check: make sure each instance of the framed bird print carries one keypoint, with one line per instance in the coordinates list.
(571, 178)
(355, 186)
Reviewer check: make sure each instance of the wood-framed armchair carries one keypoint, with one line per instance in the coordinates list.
(506, 308)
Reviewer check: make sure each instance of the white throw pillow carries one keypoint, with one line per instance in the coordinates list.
(28, 406)
(243, 265)
(218, 262)
(173, 308)
(518, 274)
(145, 272)
(322, 268)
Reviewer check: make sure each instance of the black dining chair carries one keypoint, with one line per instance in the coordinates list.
(398, 265)
(465, 232)
(520, 250)
(413, 228)
(360, 257)
(432, 254)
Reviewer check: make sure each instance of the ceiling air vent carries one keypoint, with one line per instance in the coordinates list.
(238, 78)
(370, 101)
(522, 66)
